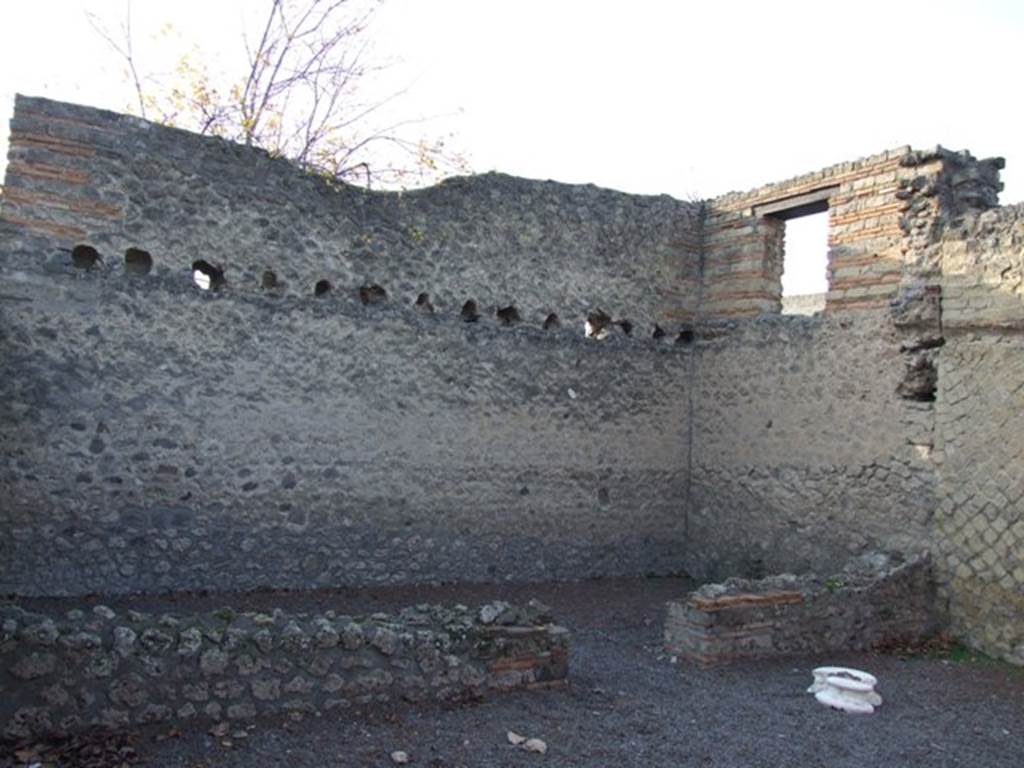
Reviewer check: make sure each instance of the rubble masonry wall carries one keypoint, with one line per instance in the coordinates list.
(160, 437)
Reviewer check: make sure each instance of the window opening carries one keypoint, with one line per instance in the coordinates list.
(805, 264)
(804, 248)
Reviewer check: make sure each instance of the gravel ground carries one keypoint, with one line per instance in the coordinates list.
(628, 704)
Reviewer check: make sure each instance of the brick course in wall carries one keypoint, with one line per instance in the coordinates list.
(744, 250)
(868, 203)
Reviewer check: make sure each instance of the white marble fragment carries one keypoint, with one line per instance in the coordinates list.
(850, 690)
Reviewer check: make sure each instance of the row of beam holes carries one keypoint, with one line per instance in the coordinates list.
(136, 260)
(207, 277)
(140, 262)
(598, 324)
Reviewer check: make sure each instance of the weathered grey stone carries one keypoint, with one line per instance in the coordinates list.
(56, 696)
(266, 689)
(27, 722)
(374, 679)
(104, 612)
(82, 641)
(43, 633)
(333, 683)
(294, 639)
(228, 689)
(489, 613)
(299, 684)
(33, 666)
(428, 657)
(385, 640)
(352, 636)
(154, 713)
(248, 664)
(101, 665)
(189, 642)
(241, 711)
(234, 637)
(320, 664)
(128, 691)
(154, 666)
(325, 635)
(155, 640)
(124, 641)
(196, 691)
(264, 640)
(213, 661)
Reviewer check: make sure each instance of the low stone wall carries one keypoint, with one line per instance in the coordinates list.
(874, 600)
(61, 674)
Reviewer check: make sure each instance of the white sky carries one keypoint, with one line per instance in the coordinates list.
(692, 99)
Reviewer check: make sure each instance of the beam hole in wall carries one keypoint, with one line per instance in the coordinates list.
(507, 315)
(372, 294)
(805, 264)
(551, 322)
(85, 257)
(685, 337)
(658, 333)
(423, 304)
(207, 276)
(597, 324)
(470, 313)
(626, 326)
(269, 280)
(137, 261)
(322, 288)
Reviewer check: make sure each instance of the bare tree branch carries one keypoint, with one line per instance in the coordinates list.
(122, 48)
(298, 96)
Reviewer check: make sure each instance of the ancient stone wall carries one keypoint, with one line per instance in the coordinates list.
(81, 175)
(898, 403)
(394, 387)
(158, 436)
(980, 430)
(65, 673)
(804, 452)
